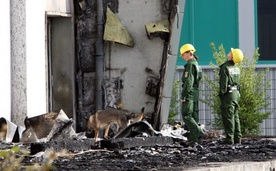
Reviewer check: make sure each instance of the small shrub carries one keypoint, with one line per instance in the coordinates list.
(254, 98)
(12, 159)
(174, 105)
(9, 160)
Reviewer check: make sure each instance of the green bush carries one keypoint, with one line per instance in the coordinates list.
(12, 159)
(174, 105)
(9, 160)
(254, 99)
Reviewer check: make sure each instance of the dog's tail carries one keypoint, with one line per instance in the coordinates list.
(139, 117)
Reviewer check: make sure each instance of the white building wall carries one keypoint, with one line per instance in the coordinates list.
(5, 66)
(36, 50)
(36, 57)
(59, 7)
(23, 66)
(247, 27)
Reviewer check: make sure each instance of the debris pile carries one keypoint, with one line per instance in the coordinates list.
(137, 147)
(171, 156)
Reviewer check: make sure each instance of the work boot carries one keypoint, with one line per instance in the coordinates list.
(202, 135)
(226, 141)
(189, 144)
(237, 141)
(186, 134)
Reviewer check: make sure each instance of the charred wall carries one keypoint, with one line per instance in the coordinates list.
(126, 69)
(86, 38)
(86, 34)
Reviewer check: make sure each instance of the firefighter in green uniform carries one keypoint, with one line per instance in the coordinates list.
(190, 80)
(229, 86)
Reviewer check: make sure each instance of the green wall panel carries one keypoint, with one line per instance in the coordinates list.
(207, 21)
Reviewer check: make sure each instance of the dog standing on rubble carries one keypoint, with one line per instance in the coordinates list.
(104, 118)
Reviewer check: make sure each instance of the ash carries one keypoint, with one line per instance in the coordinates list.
(174, 156)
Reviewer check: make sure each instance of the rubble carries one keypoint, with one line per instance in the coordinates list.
(137, 147)
(10, 132)
(171, 156)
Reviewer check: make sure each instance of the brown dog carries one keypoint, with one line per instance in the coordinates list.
(104, 118)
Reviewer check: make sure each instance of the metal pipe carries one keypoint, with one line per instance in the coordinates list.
(99, 56)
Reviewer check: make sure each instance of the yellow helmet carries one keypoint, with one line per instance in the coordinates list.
(187, 47)
(237, 55)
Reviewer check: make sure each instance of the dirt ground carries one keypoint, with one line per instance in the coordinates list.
(170, 157)
(175, 156)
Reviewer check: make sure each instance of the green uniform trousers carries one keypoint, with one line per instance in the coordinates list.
(230, 117)
(195, 112)
(195, 107)
(187, 115)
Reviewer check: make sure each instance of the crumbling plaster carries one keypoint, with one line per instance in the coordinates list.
(146, 53)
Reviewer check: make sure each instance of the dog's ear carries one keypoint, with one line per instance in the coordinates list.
(142, 110)
(27, 122)
(119, 104)
(86, 117)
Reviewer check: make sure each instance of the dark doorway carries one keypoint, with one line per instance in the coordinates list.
(61, 65)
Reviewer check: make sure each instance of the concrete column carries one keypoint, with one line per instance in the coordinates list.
(18, 61)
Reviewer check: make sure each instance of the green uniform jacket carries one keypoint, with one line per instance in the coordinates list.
(190, 80)
(229, 77)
